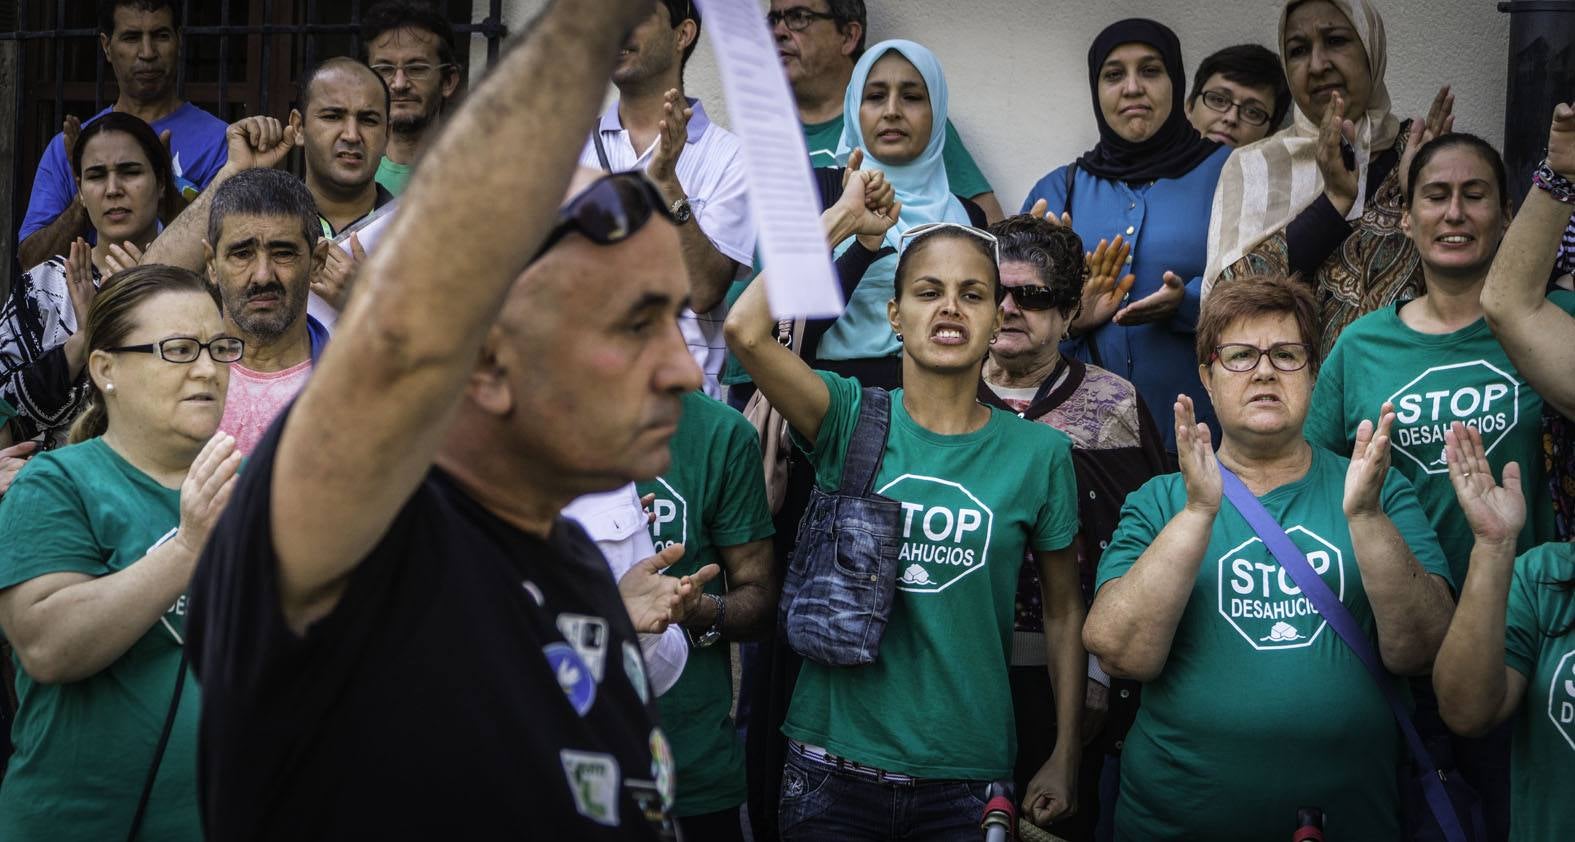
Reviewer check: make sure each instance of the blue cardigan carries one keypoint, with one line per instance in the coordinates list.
(1159, 358)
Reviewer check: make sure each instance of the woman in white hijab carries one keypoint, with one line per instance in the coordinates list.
(1323, 198)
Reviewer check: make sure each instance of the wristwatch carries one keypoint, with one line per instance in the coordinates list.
(681, 211)
(713, 634)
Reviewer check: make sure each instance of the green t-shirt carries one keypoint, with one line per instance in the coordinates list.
(392, 176)
(83, 749)
(713, 495)
(936, 703)
(1543, 755)
(966, 179)
(1434, 380)
(1261, 708)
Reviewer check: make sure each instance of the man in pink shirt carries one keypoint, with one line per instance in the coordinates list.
(262, 247)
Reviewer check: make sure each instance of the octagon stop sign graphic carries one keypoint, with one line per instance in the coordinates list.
(946, 532)
(1477, 394)
(1261, 601)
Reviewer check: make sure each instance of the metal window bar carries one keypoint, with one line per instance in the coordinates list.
(491, 27)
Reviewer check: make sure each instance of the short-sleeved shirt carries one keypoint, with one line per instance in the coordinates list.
(1434, 380)
(197, 152)
(393, 176)
(473, 681)
(1261, 707)
(84, 748)
(1539, 643)
(711, 170)
(713, 496)
(962, 172)
(936, 703)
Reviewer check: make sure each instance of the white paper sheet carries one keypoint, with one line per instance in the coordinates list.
(369, 229)
(800, 280)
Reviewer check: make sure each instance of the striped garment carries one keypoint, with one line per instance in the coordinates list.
(36, 319)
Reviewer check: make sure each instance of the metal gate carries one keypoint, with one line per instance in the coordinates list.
(237, 58)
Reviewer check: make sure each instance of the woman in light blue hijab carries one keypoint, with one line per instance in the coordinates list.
(894, 115)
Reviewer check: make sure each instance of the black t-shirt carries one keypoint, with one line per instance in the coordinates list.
(473, 682)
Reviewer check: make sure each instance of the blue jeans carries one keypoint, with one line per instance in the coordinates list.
(822, 802)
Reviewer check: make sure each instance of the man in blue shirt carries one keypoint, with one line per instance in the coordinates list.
(142, 46)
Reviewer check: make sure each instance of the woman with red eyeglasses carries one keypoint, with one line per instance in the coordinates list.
(1254, 705)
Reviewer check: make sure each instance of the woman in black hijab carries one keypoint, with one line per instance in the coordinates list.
(1149, 181)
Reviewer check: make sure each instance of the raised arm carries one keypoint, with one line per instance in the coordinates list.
(794, 390)
(1476, 689)
(1133, 620)
(1411, 606)
(710, 271)
(1538, 336)
(367, 426)
(252, 142)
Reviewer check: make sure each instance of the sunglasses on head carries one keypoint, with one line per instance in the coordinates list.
(917, 232)
(614, 208)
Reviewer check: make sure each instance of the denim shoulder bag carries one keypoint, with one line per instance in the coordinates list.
(842, 578)
(1448, 797)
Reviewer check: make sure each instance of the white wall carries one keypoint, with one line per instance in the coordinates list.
(1017, 69)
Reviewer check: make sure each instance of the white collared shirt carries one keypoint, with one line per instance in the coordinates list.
(711, 170)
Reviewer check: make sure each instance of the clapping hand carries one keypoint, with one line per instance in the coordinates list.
(122, 257)
(1339, 181)
(79, 280)
(334, 270)
(1364, 479)
(689, 604)
(70, 130)
(206, 490)
(1157, 306)
(651, 598)
(1440, 121)
(1200, 468)
(672, 132)
(1106, 288)
(1496, 512)
(1041, 210)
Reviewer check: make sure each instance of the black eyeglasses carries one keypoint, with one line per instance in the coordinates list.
(797, 18)
(1284, 356)
(613, 209)
(1220, 101)
(184, 349)
(1033, 297)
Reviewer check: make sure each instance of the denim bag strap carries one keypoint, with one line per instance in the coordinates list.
(1294, 562)
(868, 446)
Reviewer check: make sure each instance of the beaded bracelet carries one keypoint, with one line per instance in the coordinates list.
(1557, 185)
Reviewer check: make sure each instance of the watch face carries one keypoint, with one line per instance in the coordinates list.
(681, 211)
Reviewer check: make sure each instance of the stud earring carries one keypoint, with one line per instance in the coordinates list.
(899, 337)
(110, 388)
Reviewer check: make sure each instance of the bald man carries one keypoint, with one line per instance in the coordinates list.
(398, 636)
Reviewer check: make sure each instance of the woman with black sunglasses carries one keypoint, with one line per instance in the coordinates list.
(1115, 449)
(101, 538)
(909, 744)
